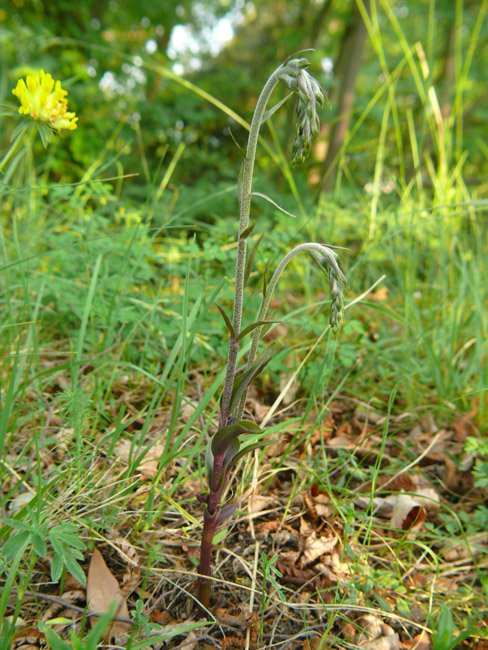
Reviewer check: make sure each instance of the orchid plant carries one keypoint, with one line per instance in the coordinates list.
(224, 448)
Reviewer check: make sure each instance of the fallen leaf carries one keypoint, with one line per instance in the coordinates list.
(259, 504)
(419, 642)
(102, 589)
(407, 513)
(376, 635)
(149, 465)
(128, 553)
(315, 547)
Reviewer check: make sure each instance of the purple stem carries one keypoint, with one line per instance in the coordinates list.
(210, 521)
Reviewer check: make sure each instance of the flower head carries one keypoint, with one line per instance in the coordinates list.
(309, 94)
(45, 100)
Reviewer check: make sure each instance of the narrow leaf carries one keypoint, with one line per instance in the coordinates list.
(250, 328)
(227, 321)
(242, 382)
(56, 567)
(270, 200)
(265, 278)
(226, 512)
(230, 453)
(274, 108)
(249, 448)
(251, 258)
(243, 153)
(295, 54)
(209, 462)
(245, 233)
(75, 569)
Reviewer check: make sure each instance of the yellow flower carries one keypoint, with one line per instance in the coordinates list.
(42, 103)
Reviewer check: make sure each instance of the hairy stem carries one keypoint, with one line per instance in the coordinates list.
(309, 246)
(244, 212)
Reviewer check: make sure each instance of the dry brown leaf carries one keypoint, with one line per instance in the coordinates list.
(419, 642)
(371, 628)
(102, 589)
(190, 642)
(259, 504)
(407, 513)
(128, 553)
(315, 547)
(149, 464)
(376, 635)
(235, 616)
(334, 569)
(383, 643)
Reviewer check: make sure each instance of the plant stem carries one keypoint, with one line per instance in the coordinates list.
(309, 246)
(244, 212)
(13, 147)
(209, 527)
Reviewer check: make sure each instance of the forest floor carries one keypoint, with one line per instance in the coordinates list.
(332, 545)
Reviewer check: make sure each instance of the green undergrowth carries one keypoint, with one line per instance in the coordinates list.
(111, 347)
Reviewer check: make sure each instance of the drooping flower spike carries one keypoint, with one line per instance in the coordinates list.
(309, 93)
(44, 99)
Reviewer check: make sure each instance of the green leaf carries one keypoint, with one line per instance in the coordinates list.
(39, 545)
(249, 448)
(247, 231)
(96, 633)
(75, 569)
(71, 540)
(19, 524)
(229, 325)
(243, 153)
(251, 258)
(19, 130)
(242, 381)
(57, 565)
(273, 203)
(441, 639)
(250, 328)
(56, 544)
(382, 602)
(220, 535)
(14, 542)
(209, 462)
(276, 107)
(224, 437)
(54, 641)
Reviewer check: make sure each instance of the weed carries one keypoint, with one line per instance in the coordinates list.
(224, 448)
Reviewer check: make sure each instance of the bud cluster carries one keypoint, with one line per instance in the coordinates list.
(309, 93)
(337, 286)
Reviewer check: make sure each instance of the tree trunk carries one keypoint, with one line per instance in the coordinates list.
(348, 64)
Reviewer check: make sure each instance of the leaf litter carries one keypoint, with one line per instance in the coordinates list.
(329, 563)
